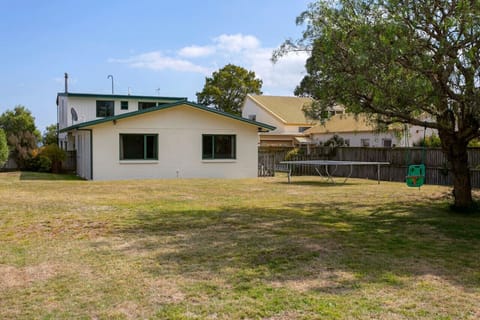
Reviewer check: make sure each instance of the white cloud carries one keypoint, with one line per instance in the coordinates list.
(196, 51)
(157, 61)
(236, 42)
(280, 78)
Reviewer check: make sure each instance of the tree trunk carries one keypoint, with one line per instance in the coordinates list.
(457, 154)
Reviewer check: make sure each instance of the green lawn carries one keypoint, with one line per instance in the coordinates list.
(234, 249)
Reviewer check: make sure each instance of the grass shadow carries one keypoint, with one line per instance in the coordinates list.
(319, 183)
(324, 244)
(29, 175)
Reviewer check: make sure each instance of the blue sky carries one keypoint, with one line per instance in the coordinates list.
(146, 45)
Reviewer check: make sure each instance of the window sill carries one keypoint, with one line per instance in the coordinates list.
(219, 160)
(138, 162)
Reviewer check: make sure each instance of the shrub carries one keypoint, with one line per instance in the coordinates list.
(292, 154)
(475, 143)
(46, 159)
(335, 141)
(44, 164)
(39, 163)
(432, 141)
(3, 148)
(55, 155)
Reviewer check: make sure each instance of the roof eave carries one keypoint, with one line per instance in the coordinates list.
(260, 125)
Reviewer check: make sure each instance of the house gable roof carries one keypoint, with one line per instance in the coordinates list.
(286, 109)
(343, 123)
(260, 125)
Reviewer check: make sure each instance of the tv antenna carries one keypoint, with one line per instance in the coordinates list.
(110, 77)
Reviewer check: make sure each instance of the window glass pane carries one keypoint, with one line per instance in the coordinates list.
(146, 105)
(224, 147)
(151, 147)
(105, 109)
(124, 105)
(207, 147)
(132, 146)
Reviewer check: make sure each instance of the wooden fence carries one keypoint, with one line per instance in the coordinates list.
(437, 166)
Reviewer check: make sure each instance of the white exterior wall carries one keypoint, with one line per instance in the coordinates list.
(86, 108)
(179, 132)
(376, 140)
(416, 134)
(251, 108)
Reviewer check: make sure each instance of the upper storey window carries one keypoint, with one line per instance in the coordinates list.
(105, 108)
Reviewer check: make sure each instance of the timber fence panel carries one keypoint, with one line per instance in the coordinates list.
(437, 166)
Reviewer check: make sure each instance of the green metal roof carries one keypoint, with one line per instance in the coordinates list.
(167, 106)
(119, 96)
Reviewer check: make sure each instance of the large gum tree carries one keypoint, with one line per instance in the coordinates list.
(401, 61)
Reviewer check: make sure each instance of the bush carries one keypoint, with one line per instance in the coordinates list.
(3, 148)
(475, 143)
(55, 155)
(335, 141)
(432, 141)
(46, 159)
(44, 164)
(294, 153)
(39, 163)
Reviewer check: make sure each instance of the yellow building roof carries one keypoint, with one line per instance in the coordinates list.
(342, 123)
(286, 109)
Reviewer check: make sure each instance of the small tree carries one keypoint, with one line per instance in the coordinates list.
(22, 135)
(50, 135)
(22, 146)
(3, 148)
(227, 88)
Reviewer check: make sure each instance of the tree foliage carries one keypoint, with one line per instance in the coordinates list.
(432, 141)
(3, 148)
(335, 141)
(22, 135)
(48, 158)
(50, 135)
(227, 88)
(402, 61)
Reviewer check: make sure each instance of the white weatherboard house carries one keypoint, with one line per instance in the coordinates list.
(358, 131)
(134, 137)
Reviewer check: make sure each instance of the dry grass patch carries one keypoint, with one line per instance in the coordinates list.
(234, 249)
